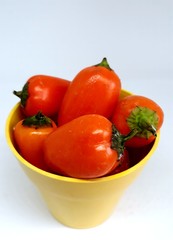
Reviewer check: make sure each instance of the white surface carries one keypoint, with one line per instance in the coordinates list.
(60, 38)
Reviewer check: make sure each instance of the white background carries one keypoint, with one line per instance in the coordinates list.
(59, 38)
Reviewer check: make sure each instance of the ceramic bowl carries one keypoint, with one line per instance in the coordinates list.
(74, 202)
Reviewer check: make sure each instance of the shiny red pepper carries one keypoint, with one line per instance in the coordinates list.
(42, 93)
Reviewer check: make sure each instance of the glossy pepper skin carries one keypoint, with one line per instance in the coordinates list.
(86, 147)
(94, 90)
(140, 113)
(29, 135)
(42, 93)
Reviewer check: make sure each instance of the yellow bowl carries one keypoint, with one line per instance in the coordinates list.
(74, 202)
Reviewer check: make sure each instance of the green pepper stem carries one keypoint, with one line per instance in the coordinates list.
(148, 126)
(23, 95)
(104, 63)
(38, 120)
(17, 93)
(130, 135)
(143, 119)
(118, 140)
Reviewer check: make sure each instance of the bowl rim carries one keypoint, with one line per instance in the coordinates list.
(70, 179)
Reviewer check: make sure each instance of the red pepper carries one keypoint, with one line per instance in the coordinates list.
(29, 135)
(94, 90)
(42, 93)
